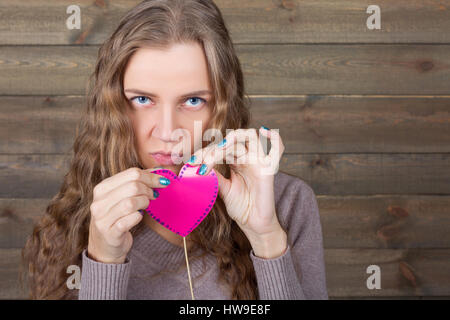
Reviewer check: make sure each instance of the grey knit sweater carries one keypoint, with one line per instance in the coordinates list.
(156, 268)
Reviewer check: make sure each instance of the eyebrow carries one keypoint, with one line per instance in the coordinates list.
(198, 92)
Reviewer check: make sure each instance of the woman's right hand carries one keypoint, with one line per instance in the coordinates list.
(114, 211)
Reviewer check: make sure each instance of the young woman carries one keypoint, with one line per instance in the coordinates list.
(170, 65)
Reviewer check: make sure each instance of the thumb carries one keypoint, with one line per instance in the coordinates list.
(224, 184)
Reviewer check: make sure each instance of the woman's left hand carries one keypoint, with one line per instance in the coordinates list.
(249, 193)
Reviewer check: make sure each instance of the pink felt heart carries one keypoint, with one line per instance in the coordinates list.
(186, 201)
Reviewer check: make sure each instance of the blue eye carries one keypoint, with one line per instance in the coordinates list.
(196, 98)
(143, 100)
(140, 100)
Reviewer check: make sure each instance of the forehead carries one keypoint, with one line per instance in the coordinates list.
(183, 65)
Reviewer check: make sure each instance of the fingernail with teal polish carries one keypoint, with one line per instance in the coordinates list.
(164, 181)
(222, 143)
(202, 169)
(192, 159)
(155, 193)
(265, 127)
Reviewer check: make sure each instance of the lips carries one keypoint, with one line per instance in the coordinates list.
(165, 158)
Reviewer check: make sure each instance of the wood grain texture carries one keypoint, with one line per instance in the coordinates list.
(364, 115)
(307, 124)
(345, 268)
(268, 69)
(45, 70)
(11, 286)
(340, 124)
(39, 124)
(17, 219)
(251, 21)
(346, 272)
(361, 174)
(376, 222)
(385, 221)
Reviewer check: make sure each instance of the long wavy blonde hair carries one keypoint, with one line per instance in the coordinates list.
(104, 131)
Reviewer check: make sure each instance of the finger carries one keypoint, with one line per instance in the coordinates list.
(263, 139)
(154, 169)
(198, 156)
(227, 149)
(246, 147)
(127, 190)
(271, 162)
(131, 174)
(226, 144)
(240, 150)
(124, 224)
(253, 147)
(242, 158)
(205, 156)
(125, 207)
(208, 161)
(249, 137)
(277, 146)
(151, 179)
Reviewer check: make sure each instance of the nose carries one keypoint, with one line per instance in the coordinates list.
(165, 123)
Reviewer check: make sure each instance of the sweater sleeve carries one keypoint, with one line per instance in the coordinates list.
(103, 281)
(299, 273)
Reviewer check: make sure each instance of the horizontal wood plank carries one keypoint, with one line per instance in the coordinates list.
(17, 219)
(414, 272)
(377, 222)
(377, 173)
(341, 124)
(39, 124)
(404, 273)
(256, 21)
(385, 221)
(46, 70)
(307, 124)
(11, 286)
(268, 69)
(40, 175)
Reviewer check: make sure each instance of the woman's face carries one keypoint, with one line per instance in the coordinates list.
(167, 90)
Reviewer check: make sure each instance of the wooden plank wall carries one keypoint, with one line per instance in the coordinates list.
(364, 115)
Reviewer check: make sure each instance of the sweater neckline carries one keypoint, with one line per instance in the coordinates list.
(167, 255)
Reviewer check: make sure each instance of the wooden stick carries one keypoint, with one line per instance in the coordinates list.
(187, 264)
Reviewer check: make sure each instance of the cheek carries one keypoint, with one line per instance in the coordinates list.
(141, 129)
